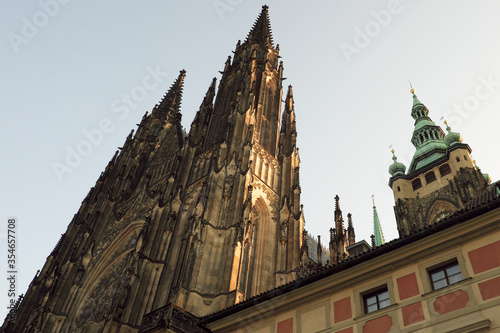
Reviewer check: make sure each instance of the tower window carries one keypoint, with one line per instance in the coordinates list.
(399, 189)
(416, 184)
(465, 157)
(376, 300)
(458, 159)
(444, 169)
(154, 130)
(430, 177)
(445, 275)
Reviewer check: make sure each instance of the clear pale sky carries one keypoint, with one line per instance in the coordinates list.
(72, 68)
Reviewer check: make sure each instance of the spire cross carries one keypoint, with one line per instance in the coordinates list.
(373, 199)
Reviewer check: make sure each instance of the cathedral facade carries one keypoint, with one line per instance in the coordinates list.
(202, 220)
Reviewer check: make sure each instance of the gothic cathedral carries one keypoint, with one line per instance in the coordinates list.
(202, 220)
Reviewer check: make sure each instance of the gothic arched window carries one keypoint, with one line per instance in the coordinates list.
(154, 130)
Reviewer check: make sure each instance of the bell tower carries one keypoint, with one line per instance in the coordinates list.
(441, 177)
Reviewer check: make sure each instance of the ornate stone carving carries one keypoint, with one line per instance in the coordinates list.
(105, 300)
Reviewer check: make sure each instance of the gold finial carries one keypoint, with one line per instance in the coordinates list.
(392, 149)
(411, 88)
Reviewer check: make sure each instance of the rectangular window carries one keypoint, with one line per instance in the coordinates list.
(416, 184)
(445, 275)
(376, 300)
(430, 177)
(445, 169)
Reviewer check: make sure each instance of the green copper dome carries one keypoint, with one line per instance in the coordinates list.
(396, 168)
(452, 137)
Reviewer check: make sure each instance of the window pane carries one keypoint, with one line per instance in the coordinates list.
(384, 303)
(371, 308)
(437, 275)
(371, 300)
(455, 278)
(383, 296)
(439, 284)
(453, 270)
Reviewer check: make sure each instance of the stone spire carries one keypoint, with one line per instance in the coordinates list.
(169, 107)
(261, 30)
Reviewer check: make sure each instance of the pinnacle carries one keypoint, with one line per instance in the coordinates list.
(288, 101)
(261, 30)
(171, 102)
(337, 207)
(210, 94)
(289, 93)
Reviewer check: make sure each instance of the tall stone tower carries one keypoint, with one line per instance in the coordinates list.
(201, 220)
(442, 176)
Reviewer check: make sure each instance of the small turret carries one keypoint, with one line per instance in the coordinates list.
(396, 167)
(451, 138)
